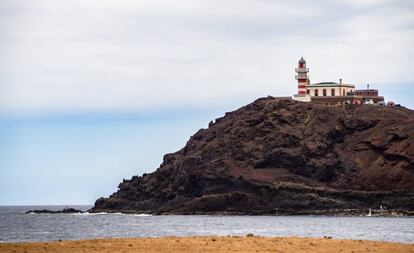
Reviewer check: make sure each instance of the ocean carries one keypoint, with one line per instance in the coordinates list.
(16, 226)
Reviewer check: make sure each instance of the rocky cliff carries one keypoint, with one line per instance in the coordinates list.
(278, 156)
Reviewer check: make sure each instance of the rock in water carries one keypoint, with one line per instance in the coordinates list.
(279, 156)
(46, 211)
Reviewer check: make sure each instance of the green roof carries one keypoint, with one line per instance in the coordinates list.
(330, 84)
(324, 83)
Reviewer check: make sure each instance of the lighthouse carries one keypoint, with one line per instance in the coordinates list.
(302, 76)
(303, 81)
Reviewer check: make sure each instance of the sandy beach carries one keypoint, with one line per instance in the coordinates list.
(210, 244)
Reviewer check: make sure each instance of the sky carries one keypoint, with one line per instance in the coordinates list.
(95, 91)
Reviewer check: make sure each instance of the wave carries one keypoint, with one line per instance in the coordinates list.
(105, 213)
(87, 214)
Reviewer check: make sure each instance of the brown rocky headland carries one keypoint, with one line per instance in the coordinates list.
(278, 156)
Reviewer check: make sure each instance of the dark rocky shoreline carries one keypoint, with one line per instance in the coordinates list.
(279, 212)
(281, 157)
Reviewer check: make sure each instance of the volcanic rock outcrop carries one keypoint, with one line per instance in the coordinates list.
(279, 156)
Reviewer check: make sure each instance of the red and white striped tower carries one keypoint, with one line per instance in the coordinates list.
(302, 77)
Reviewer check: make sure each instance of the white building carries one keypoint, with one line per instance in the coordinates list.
(330, 89)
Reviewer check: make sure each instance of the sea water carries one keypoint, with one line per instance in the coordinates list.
(16, 226)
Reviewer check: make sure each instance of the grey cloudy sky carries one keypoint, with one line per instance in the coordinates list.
(99, 55)
(93, 91)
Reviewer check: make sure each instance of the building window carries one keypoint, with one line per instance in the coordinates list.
(308, 92)
(343, 93)
(324, 92)
(316, 92)
(333, 92)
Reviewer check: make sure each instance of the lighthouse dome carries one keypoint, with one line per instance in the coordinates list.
(302, 61)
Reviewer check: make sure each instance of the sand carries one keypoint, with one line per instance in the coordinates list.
(209, 244)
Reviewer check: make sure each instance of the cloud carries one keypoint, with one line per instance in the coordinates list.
(133, 55)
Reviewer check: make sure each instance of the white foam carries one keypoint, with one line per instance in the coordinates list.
(101, 213)
(87, 213)
(105, 213)
(142, 214)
